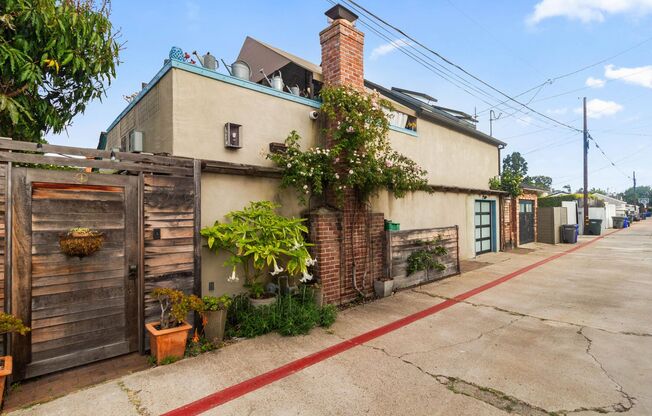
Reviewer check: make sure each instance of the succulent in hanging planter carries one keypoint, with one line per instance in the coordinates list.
(81, 242)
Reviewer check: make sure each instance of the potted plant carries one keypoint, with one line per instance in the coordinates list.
(261, 242)
(169, 335)
(8, 324)
(214, 317)
(81, 242)
(383, 287)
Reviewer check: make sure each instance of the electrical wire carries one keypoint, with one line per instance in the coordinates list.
(460, 68)
(429, 63)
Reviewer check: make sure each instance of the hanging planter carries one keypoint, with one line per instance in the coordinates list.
(81, 242)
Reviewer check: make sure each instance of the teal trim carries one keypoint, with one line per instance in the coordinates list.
(141, 94)
(494, 225)
(404, 131)
(217, 76)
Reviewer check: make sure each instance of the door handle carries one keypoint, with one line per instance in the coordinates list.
(133, 272)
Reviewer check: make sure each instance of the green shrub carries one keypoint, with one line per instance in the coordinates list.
(290, 315)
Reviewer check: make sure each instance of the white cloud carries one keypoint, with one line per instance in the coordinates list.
(597, 108)
(390, 47)
(641, 75)
(587, 10)
(595, 82)
(558, 111)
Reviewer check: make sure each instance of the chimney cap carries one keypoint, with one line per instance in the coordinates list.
(340, 12)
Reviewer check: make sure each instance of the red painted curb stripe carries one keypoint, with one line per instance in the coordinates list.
(233, 392)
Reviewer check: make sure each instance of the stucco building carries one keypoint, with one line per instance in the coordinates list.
(186, 109)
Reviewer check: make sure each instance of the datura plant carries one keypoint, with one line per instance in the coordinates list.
(359, 156)
(257, 240)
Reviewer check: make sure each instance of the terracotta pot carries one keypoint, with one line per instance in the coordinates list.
(257, 303)
(169, 342)
(214, 327)
(7, 367)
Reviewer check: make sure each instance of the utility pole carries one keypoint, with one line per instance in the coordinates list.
(492, 118)
(635, 196)
(586, 174)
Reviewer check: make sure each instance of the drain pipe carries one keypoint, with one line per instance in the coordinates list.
(354, 266)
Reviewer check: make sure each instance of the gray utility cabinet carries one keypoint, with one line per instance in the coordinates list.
(550, 220)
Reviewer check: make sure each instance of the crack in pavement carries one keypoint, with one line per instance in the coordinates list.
(484, 394)
(133, 398)
(618, 407)
(476, 338)
(499, 309)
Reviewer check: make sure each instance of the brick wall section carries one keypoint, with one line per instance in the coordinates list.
(342, 238)
(342, 51)
(507, 234)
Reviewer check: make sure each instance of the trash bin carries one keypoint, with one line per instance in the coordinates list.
(626, 222)
(569, 233)
(595, 227)
(619, 222)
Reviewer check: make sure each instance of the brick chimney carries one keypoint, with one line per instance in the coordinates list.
(342, 47)
(348, 241)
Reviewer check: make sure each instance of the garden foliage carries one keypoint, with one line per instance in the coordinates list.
(293, 314)
(359, 156)
(56, 57)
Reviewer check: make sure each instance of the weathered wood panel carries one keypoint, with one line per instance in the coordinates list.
(61, 286)
(403, 243)
(169, 237)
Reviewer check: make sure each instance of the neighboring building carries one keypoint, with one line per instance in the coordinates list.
(186, 109)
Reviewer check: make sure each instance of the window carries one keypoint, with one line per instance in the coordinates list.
(401, 120)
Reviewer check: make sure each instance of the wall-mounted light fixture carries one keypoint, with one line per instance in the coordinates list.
(232, 135)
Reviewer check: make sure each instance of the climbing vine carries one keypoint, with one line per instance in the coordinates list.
(425, 258)
(359, 156)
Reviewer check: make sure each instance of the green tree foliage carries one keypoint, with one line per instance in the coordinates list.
(56, 56)
(631, 197)
(539, 181)
(511, 178)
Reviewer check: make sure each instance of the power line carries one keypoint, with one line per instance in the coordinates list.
(584, 68)
(607, 157)
(460, 68)
(429, 65)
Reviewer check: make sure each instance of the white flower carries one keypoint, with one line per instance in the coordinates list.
(289, 165)
(233, 277)
(337, 176)
(388, 163)
(306, 277)
(350, 129)
(350, 171)
(277, 270)
(305, 186)
(310, 262)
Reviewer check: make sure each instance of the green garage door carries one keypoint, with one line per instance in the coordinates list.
(483, 226)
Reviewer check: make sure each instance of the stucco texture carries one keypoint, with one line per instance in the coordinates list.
(222, 194)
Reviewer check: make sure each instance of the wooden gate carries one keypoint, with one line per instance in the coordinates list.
(80, 309)
(91, 308)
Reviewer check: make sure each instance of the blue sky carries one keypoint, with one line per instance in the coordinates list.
(513, 45)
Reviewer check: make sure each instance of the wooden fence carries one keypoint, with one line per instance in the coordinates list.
(400, 244)
(86, 309)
